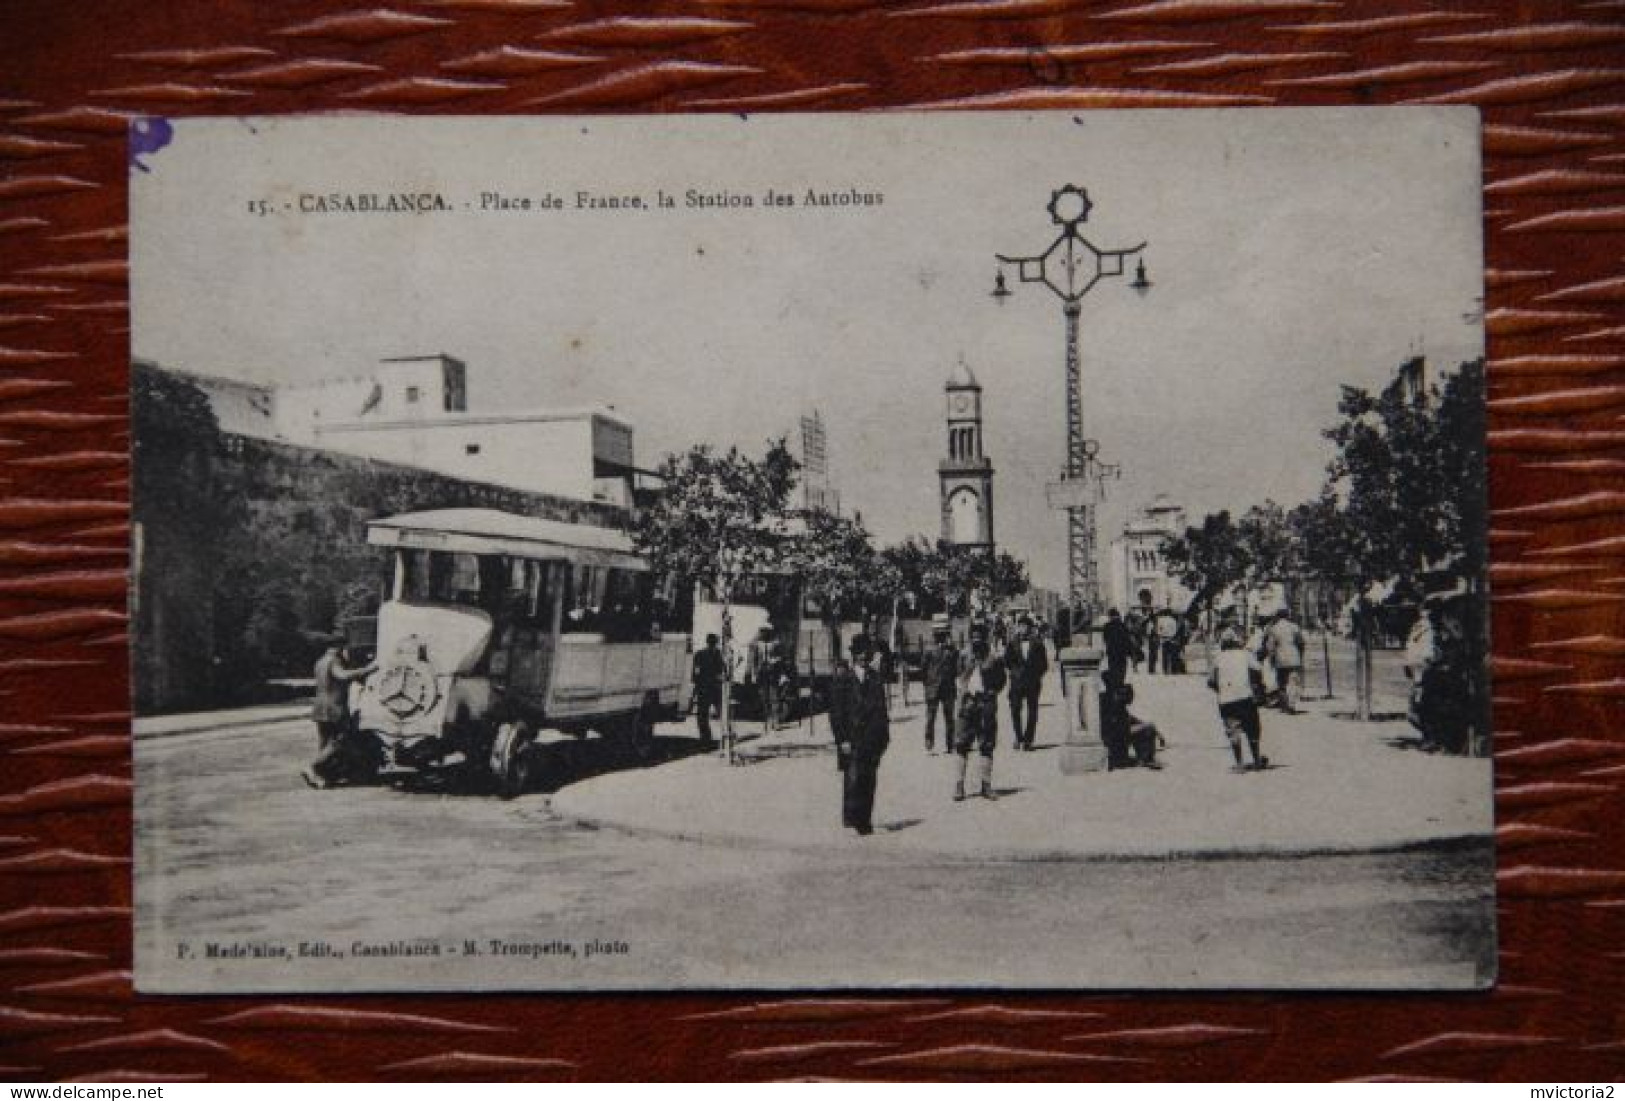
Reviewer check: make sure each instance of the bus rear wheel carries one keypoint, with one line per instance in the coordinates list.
(511, 758)
(638, 732)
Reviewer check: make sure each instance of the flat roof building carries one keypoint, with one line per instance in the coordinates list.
(413, 410)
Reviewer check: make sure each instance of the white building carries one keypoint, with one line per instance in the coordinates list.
(414, 411)
(580, 453)
(1135, 562)
(406, 389)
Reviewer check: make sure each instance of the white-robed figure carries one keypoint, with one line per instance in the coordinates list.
(1234, 668)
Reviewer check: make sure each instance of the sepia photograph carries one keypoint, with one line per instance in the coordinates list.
(883, 551)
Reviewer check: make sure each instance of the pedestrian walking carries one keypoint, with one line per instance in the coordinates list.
(940, 674)
(1283, 640)
(981, 678)
(1232, 680)
(1257, 647)
(1441, 703)
(1142, 624)
(708, 674)
(331, 711)
(1120, 645)
(1026, 663)
(862, 732)
(1173, 636)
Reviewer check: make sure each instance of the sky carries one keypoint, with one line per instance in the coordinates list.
(1291, 251)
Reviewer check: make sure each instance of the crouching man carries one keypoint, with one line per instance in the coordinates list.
(331, 712)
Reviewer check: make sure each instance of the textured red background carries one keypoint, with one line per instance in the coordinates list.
(1551, 79)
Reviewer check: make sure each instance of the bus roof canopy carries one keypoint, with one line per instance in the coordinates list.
(490, 531)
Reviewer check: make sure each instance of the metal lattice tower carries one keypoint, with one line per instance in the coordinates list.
(1064, 267)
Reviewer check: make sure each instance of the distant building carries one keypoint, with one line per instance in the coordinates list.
(405, 389)
(966, 475)
(1136, 563)
(413, 410)
(811, 449)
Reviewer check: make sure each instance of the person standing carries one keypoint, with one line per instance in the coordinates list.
(1142, 625)
(709, 674)
(941, 678)
(1173, 642)
(331, 711)
(981, 677)
(862, 733)
(1232, 680)
(1284, 642)
(1120, 647)
(768, 671)
(1026, 663)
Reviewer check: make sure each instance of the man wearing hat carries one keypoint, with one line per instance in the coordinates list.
(1120, 646)
(331, 710)
(709, 673)
(1232, 679)
(1026, 662)
(862, 732)
(767, 669)
(1283, 641)
(981, 676)
(941, 677)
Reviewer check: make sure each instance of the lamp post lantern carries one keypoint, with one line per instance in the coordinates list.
(1070, 267)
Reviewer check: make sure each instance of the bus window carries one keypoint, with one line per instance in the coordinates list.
(674, 605)
(454, 578)
(491, 584)
(531, 585)
(442, 577)
(584, 607)
(627, 615)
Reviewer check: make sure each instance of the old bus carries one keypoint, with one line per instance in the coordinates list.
(497, 627)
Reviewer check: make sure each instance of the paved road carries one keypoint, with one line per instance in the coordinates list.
(255, 862)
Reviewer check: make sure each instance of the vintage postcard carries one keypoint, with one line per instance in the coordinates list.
(889, 551)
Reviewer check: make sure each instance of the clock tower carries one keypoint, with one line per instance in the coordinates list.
(966, 474)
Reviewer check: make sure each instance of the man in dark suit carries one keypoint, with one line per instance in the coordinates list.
(862, 733)
(1120, 646)
(1026, 662)
(941, 677)
(709, 674)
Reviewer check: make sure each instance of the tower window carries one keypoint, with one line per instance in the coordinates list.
(471, 449)
(411, 395)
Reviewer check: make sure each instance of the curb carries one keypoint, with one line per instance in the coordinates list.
(282, 715)
(1241, 852)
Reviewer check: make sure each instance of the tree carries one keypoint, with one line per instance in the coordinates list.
(1268, 545)
(1409, 477)
(1208, 559)
(720, 519)
(945, 576)
(1005, 576)
(835, 559)
(1327, 543)
(915, 565)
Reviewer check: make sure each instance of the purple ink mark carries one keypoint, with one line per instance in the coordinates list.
(147, 136)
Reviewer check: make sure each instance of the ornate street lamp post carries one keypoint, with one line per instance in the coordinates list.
(1070, 267)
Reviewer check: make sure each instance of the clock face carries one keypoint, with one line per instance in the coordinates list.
(961, 403)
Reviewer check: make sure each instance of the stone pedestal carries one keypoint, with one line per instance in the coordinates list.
(1084, 750)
